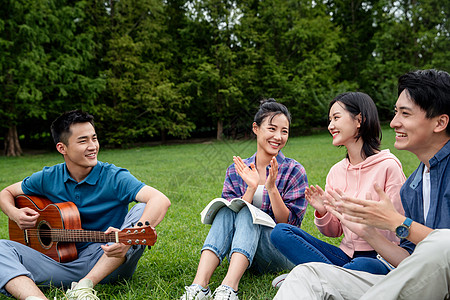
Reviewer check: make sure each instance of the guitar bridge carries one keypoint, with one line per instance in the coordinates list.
(27, 240)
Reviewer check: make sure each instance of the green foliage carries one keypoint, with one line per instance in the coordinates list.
(294, 56)
(140, 101)
(410, 36)
(44, 56)
(155, 69)
(44, 62)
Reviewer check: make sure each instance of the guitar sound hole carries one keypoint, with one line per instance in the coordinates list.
(44, 235)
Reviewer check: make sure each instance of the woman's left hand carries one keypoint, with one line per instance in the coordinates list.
(273, 173)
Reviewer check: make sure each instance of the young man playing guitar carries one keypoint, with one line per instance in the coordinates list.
(101, 192)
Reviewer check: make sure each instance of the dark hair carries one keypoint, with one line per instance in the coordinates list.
(370, 130)
(60, 127)
(429, 89)
(270, 107)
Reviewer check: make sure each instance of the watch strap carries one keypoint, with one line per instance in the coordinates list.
(407, 222)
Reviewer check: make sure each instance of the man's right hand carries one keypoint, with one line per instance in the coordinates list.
(380, 214)
(25, 217)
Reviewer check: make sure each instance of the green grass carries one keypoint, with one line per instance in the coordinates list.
(191, 175)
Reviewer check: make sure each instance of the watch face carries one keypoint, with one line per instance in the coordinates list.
(402, 231)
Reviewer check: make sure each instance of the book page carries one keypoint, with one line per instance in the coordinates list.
(210, 211)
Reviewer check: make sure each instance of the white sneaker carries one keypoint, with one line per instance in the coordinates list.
(225, 293)
(195, 292)
(278, 281)
(83, 290)
(33, 298)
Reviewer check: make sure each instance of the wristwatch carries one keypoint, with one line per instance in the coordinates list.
(402, 231)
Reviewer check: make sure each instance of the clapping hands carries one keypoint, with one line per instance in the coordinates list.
(251, 176)
(379, 214)
(316, 197)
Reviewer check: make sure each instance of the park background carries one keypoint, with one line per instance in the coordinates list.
(160, 70)
(174, 85)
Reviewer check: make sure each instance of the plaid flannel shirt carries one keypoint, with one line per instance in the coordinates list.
(291, 183)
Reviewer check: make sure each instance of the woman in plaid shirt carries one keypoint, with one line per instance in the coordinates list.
(270, 181)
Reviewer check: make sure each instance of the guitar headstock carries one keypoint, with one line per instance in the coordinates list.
(145, 235)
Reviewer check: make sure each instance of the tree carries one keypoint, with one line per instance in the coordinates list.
(291, 47)
(412, 35)
(43, 53)
(140, 101)
(211, 64)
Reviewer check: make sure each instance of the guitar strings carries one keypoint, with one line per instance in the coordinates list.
(74, 235)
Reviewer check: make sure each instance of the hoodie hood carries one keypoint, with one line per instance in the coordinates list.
(371, 160)
(354, 174)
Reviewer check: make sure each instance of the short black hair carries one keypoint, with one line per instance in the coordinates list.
(370, 130)
(270, 108)
(429, 89)
(60, 127)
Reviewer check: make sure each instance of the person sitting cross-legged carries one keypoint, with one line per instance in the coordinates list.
(101, 192)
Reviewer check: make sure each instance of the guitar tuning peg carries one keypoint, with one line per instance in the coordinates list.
(147, 223)
(139, 224)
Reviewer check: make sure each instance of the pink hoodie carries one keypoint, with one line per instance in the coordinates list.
(355, 181)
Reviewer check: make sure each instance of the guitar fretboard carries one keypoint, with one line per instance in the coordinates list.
(74, 235)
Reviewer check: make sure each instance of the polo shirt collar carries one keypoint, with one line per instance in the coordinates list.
(91, 179)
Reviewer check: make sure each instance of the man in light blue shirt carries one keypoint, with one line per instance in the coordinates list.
(101, 192)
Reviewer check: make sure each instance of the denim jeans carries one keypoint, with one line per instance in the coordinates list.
(235, 232)
(300, 247)
(17, 259)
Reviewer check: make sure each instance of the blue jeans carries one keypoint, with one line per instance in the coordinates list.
(235, 232)
(19, 260)
(300, 247)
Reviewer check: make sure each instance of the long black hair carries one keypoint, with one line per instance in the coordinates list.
(357, 103)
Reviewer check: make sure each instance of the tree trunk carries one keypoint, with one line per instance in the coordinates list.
(163, 136)
(219, 130)
(12, 145)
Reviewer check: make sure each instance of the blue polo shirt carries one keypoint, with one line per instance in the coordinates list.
(412, 199)
(102, 197)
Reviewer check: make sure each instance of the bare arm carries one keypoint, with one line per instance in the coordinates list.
(24, 217)
(156, 207)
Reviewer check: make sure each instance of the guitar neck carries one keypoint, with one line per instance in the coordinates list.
(76, 235)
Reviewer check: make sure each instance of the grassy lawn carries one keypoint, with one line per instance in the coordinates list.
(191, 175)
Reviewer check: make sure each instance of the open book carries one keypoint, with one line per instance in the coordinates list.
(210, 211)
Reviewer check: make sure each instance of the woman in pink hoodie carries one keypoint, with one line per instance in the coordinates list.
(354, 124)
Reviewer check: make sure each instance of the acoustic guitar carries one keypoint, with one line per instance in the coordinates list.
(58, 228)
